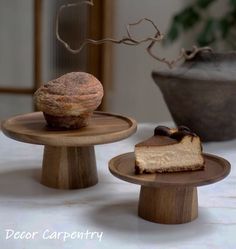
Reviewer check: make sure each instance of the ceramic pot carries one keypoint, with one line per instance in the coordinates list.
(201, 94)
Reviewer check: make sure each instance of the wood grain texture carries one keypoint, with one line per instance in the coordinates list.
(95, 53)
(17, 90)
(100, 61)
(169, 198)
(168, 205)
(102, 128)
(37, 43)
(69, 167)
(216, 168)
(107, 50)
(69, 160)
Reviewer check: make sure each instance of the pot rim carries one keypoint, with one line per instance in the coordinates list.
(198, 73)
(156, 74)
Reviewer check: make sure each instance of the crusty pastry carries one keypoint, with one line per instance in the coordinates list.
(70, 100)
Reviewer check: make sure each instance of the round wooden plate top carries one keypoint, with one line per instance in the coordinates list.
(103, 128)
(216, 168)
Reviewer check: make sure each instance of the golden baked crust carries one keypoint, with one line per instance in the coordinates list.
(72, 94)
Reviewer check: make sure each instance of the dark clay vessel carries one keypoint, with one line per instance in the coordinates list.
(201, 94)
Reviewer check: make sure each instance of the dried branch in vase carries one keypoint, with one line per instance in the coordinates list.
(128, 39)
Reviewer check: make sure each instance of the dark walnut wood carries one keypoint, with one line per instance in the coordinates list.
(69, 160)
(169, 198)
(168, 205)
(216, 168)
(103, 128)
(69, 167)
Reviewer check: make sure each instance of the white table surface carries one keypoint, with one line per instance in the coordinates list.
(109, 207)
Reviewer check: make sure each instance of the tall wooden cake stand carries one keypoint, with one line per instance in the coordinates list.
(69, 160)
(169, 198)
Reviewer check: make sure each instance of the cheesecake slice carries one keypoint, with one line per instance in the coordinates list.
(169, 150)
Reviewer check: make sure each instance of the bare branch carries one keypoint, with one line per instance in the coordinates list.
(183, 55)
(128, 39)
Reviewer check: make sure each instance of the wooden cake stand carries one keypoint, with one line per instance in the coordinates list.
(169, 198)
(69, 160)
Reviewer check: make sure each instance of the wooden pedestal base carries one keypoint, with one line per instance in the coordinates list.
(169, 198)
(69, 167)
(69, 160)
(168, 205)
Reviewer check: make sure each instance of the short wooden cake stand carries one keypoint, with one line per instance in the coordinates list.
(169, 198)
(69, 160)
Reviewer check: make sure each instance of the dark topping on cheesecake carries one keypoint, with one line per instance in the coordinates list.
(162, 131)
(157, 141)
(183, 128)
(178, 135)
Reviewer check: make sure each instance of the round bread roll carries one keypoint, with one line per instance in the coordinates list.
(69, 101)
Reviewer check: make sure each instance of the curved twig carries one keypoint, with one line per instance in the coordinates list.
(127, 40)
(184, 54)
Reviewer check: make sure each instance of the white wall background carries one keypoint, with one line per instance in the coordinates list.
(16, 54)
(133, 91)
